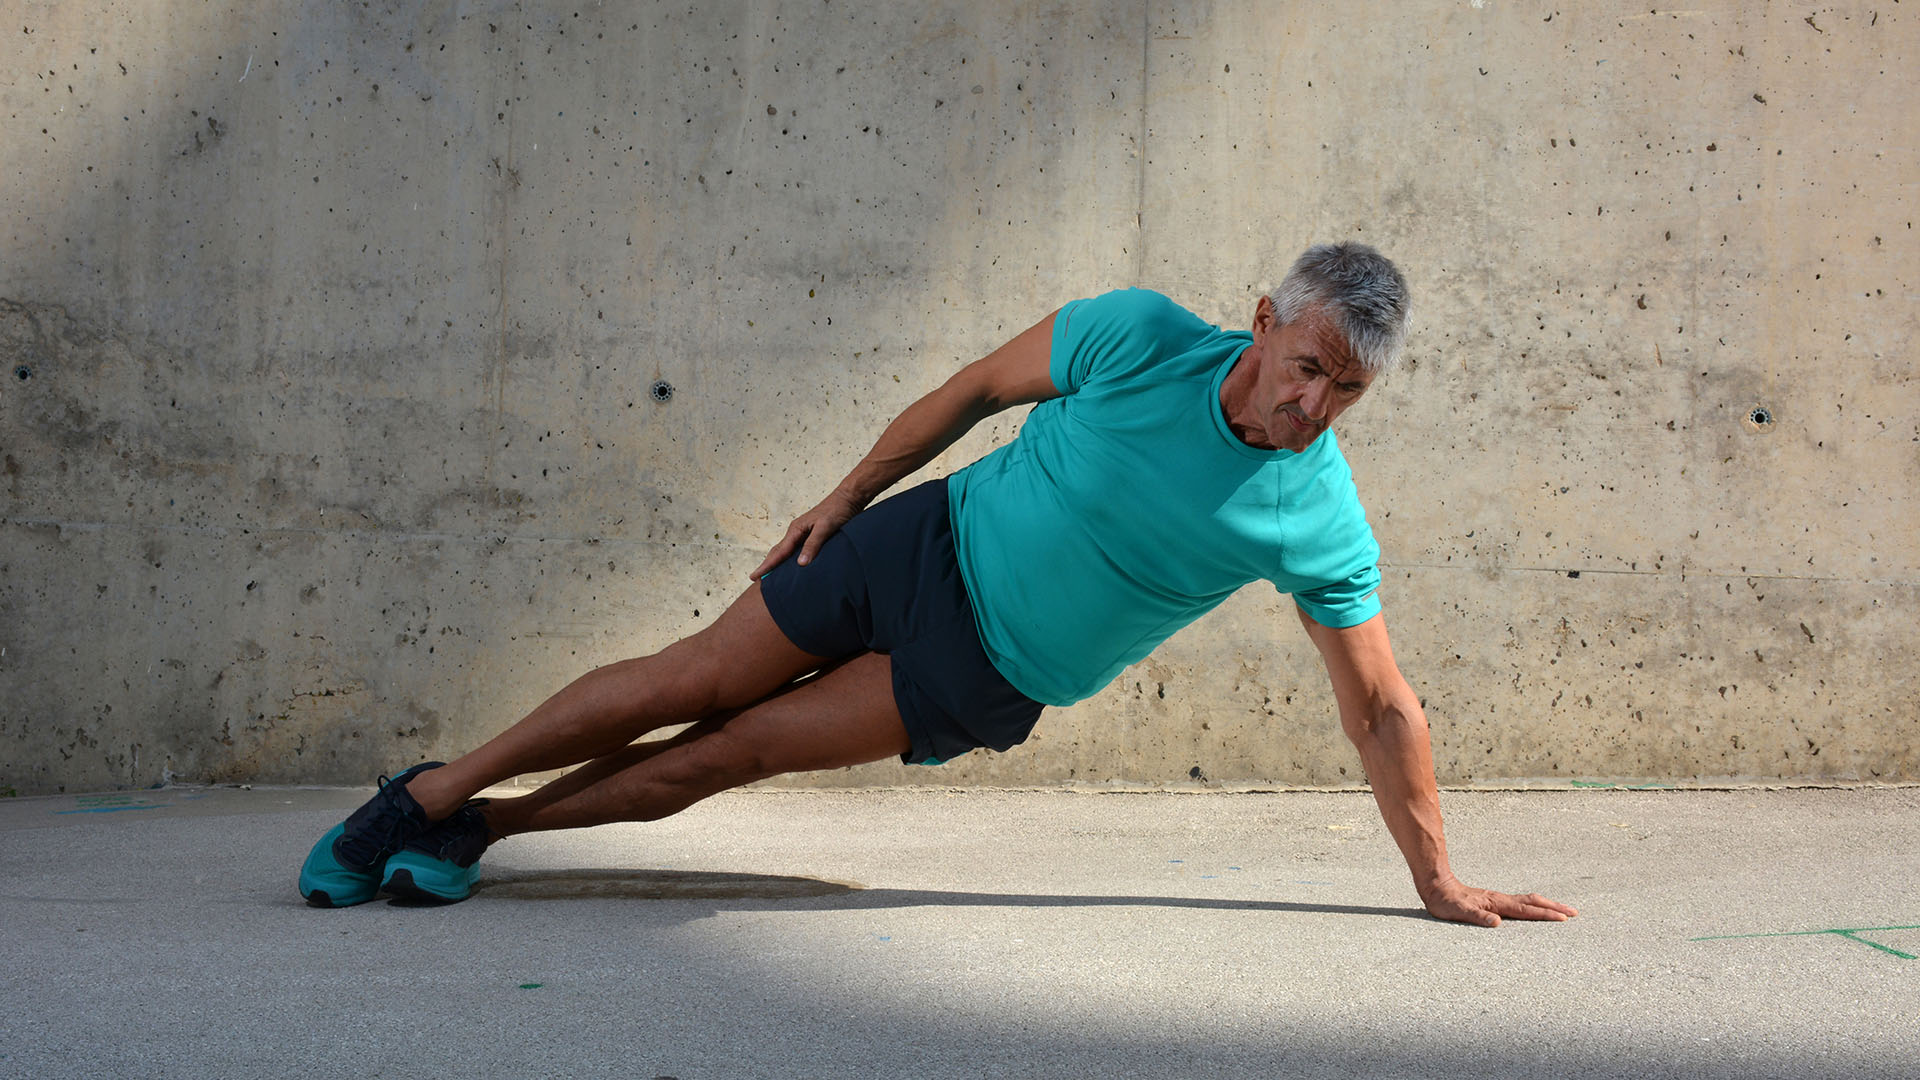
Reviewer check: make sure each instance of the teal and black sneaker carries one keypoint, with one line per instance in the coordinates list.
(344, 867)
(441, 864)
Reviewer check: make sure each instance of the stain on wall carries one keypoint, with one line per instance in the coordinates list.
(332, 339)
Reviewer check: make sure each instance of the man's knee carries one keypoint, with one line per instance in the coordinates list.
(716, 761)
(714, 669)
(677, 681)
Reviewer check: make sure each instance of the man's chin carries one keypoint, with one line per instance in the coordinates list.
(1300, 441)
(1294, 437)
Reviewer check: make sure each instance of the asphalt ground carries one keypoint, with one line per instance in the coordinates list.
(1744, 933)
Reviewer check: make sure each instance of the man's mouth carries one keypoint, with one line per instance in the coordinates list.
(1300, 424)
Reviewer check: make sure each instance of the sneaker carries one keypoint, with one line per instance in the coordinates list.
(441, 864)
(345, 866)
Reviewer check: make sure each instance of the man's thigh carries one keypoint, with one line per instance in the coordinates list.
(737, 660)
(847, 716)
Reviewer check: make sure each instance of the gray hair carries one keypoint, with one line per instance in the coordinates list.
(1360, 290)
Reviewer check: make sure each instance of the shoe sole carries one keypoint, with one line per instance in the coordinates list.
(402, 886)
(322, 876)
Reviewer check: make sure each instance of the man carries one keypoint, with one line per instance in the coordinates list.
(1167, 463)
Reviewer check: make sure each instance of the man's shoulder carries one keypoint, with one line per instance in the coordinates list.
(1327, 464)
(1138, 327)
(1122, 335)
(1154, 309)
(1328, 500)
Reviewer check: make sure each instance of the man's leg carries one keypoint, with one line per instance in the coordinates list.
(739, 659)
(414, 837)
(607, 765)
(847, 716)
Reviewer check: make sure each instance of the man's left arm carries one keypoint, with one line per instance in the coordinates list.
(1382, 716)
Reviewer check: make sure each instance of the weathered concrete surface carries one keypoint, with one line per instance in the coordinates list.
(983, 933)
(329, 333)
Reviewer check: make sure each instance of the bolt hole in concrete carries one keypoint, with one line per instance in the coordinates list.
(1760, 418)
(23, 373)
(662, 390)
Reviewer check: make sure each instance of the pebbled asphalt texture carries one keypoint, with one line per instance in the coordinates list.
(1742, 933)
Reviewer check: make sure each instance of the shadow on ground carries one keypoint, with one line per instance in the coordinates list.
(709, 885)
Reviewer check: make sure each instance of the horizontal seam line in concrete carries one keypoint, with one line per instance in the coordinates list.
(1584, 570)
(765, 788)
(502, 537)
(224, 531)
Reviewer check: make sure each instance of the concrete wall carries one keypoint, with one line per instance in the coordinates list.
(329, 331)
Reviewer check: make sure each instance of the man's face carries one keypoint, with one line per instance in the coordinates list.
(1306, 377)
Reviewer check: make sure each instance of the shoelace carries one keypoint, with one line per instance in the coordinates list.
(459, 830)
(396, 822)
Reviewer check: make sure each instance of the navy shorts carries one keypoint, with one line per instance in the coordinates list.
(888, 582)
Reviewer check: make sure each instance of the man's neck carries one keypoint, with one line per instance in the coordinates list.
(1235, 391)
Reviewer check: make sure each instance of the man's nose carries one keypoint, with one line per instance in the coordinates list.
(1314, 401)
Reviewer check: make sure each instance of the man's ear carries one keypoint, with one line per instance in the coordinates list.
(1263, 317)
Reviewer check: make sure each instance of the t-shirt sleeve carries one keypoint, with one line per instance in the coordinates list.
(1110, 335)
(1333, 563)
(1344, 603)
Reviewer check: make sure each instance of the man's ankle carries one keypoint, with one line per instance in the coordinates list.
(427, 789)
(496, 827)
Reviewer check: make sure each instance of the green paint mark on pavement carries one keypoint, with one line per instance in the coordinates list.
(1850, 933)
(531, 986)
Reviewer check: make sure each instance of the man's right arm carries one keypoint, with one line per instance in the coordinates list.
(1016, 373)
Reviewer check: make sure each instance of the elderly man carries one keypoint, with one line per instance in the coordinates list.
(1167, 463)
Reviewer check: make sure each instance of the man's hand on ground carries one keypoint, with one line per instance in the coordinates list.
(809, 531)
(1456, 902)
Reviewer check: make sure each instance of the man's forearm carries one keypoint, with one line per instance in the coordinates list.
(915, 437)
(1382, 716)
(1015, 373)
(1397, 753)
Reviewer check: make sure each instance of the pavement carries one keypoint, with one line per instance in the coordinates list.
(1742, 933)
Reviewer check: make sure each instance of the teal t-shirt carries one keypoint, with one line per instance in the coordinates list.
(1126, 508)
